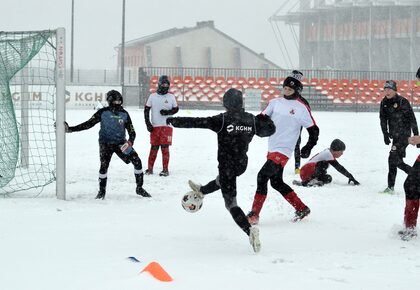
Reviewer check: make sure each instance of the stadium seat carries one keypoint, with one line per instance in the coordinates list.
(243, 83)
(188, 82)
(273, 81)
(220, 80)
(262, 81)
(314, 82)
(209, 80)
(154, 80)
(175, 80)
(198, 80)
(354, 83)
(343, 83)
(252, 81)
(324, 82)
(281, 80)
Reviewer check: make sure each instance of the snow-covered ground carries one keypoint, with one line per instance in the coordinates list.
(348, 241)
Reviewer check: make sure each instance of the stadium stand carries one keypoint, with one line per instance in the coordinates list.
(324, 91)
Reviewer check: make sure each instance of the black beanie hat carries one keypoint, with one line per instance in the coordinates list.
(390, 85)
(162, 90)
(337, 145)
(232, 99)
(294, 81)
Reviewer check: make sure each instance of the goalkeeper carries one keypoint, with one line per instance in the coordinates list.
(114, 122)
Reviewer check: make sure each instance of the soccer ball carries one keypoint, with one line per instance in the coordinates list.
(192, 202)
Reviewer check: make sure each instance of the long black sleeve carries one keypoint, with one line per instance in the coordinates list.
(313, 136)
(383, 119)
(214, 123)
(130, 129)
(147, 116)
(95, 119)
(411, 117)
(340, 168)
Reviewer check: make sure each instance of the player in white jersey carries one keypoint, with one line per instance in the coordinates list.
(289, 114)
(162, 104)
(314, 173)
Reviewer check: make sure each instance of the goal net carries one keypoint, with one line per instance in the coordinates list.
(32, 108)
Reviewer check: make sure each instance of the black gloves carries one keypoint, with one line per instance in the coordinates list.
(172, 111)
(305, 151)
(67, 128)
(169, 120)
(387, 136)
(264, 126)
(355, 182)
(166, 112)
(149, 127)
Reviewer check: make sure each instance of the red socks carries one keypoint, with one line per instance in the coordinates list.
(411, 212)
(294, 200)
(258, 203)
(165, 158)
(152, 157)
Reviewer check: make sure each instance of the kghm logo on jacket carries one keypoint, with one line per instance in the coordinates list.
(292, 112)
(238, 128)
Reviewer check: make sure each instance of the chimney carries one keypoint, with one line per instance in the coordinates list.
(209, 23)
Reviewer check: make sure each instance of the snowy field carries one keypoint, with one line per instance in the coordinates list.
(348, 241)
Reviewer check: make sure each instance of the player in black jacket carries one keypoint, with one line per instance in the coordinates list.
(235, 130)
(114, 122)
(397, 121)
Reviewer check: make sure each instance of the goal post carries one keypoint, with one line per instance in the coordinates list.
(32, 112)
(61, 114)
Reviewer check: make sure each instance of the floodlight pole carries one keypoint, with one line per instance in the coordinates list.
(123, 50)
(72, 41)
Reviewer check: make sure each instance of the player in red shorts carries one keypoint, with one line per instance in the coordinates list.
(314, 173)
(162, 104)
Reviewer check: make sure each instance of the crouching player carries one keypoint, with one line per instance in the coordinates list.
(314, 173)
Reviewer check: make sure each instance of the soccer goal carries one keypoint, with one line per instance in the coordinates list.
(32, 111)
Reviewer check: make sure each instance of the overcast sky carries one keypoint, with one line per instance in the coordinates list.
(98, 23)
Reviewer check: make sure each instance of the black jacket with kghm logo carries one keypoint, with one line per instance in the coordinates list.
(235, 130)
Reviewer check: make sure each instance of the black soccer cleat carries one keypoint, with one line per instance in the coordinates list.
(407, 234)
(149, 172)
(301, 214)
(142, 192)
(100, 195)
(164, 173)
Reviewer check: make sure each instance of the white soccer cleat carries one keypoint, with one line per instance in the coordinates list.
(254, 239)
(196, 187)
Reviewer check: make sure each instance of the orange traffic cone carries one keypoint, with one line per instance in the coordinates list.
(156, 270)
